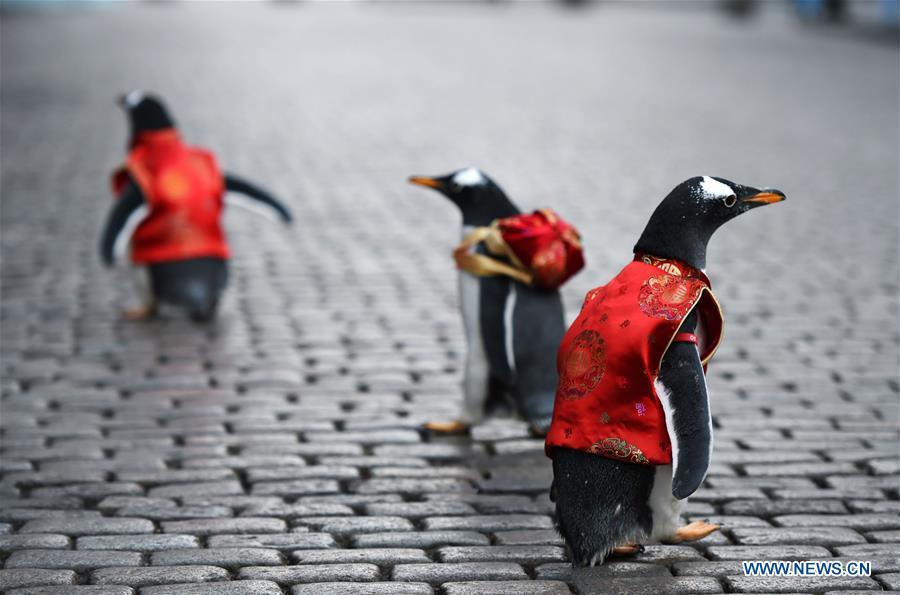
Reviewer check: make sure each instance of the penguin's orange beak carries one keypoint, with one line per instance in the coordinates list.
(424, 181)
(766, 197)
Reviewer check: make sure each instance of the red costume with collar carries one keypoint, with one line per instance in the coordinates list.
(609, 360)
(183, 189)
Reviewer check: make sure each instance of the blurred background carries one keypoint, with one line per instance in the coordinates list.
(596, 109)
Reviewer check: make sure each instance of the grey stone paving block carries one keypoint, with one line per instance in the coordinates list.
(413, 486)
(599, 583)
(168, 513)
(382, 588)
(220, 526)
(350, 499)
(278, 541)
(238, 501)
(75, 590)
(497, 522)
(374, 437)
(350, 525)
(116, 502)
(721, 494)
(776, 507)
(158, 575)
(425, 451)
(444, 471)
(861, 481)
(796, 535)
(889, 580)
(295, 488)
(801, 469)
(60, 502)
(77, 560)
(441, 573)
(874, 506)
(139, 543)
(728, 521)
(868, 549)
(856, 521)
(216, 588)
(884, 536)
(379, 556)
(165, 476)
(289, 511)
(18, 515)
(808, 584)
(418, 509)
(322, 573)
(89, 526)
(373, 461)
(319, 449)
(338, 472)
(11, 578)
(767, 552)
(9, 543)
(611, 567)
(524, 554)
(665, 554)
(225, 557)
(492, 503)
(823, 493)
(90, 490)
(206, 489)
(506, 588)
(528, 537)
(419, 539)
(244, 462)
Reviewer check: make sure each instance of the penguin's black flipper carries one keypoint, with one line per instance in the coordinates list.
(599, 502)
(234, 183)
(127, 211)
(682, 390)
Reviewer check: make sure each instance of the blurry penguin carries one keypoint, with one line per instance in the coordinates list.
(631, 436)
(510, 326)
(168, 211)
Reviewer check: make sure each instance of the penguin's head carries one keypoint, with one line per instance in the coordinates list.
(145, 111)
(479, 198)
(684, 221)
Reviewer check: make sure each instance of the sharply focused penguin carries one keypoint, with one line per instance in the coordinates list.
(631, 436)
(510, 327)
(169, 208)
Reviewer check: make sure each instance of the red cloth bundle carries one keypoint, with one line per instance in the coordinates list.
(545, 245)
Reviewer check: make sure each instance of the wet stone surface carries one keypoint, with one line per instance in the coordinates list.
(279, 449)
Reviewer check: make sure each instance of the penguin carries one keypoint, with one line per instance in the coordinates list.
(168, 211)
(631, 436)
(510, 327)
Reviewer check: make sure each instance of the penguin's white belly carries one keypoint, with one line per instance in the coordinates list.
(477, 370)
(470, 307)
(665, 508)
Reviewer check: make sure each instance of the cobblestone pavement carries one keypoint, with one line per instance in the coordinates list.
(279, 448)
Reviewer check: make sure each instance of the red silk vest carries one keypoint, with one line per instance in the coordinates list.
(608, 361)
(183, 189)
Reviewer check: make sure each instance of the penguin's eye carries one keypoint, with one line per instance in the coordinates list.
(730, 200)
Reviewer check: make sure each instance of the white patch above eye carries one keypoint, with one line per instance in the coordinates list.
(468, 177)
(714, 189)
(134, 98)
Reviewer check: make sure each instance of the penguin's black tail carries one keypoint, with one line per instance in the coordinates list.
(196, 285)
(600, 503)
